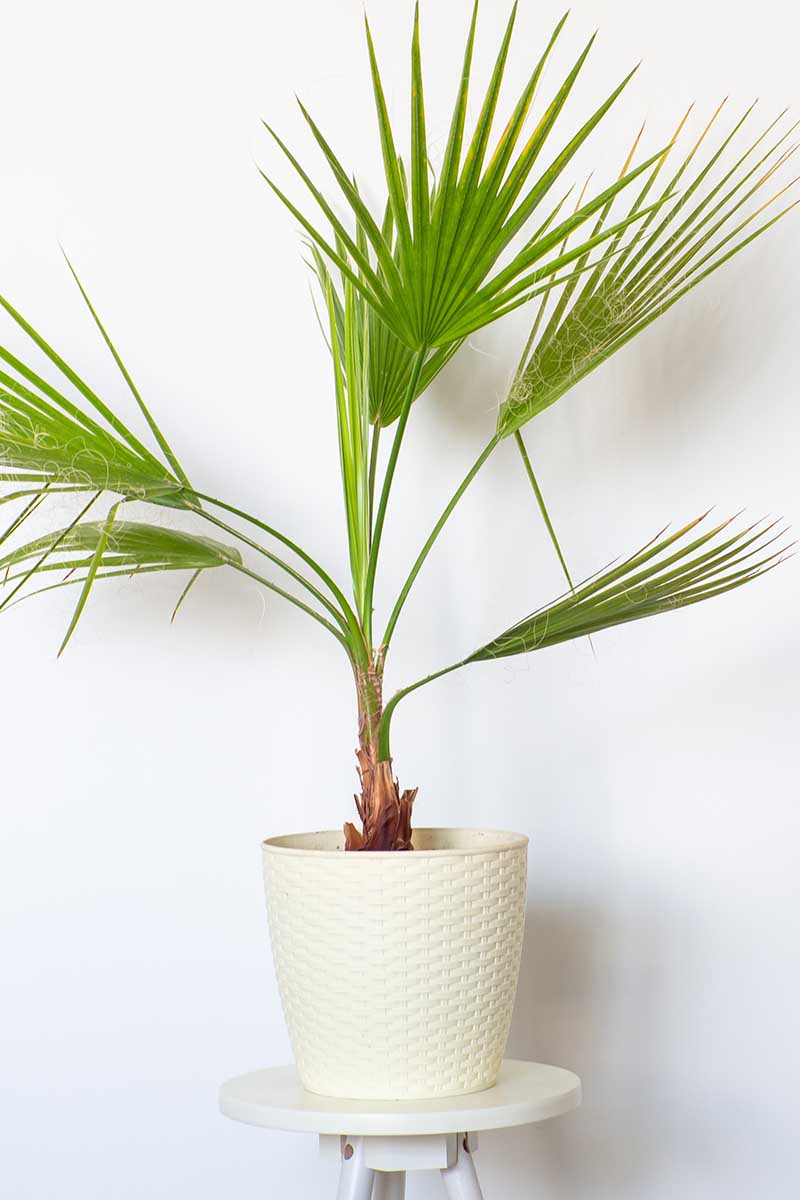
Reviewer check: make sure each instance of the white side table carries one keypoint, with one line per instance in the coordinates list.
(377, 1142)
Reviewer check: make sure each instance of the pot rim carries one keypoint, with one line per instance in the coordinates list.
(473, 841)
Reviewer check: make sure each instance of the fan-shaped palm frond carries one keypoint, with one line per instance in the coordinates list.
(127, 546)
(427, 267)
(105, 550)
(690, 234)
(46, 437)
(55, 445)
(666, 574)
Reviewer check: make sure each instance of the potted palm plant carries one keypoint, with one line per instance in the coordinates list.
(418, 952)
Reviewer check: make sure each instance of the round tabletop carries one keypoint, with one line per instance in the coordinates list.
(524, 1093)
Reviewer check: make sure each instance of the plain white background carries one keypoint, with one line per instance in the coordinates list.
(658, 783)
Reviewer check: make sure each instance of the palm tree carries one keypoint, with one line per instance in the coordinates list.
(401, 288)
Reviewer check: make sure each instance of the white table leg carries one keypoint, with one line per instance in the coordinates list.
(389, 1185)
(461, 1181)
(356, 1179)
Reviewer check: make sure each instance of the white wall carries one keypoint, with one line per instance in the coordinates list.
(658, 783)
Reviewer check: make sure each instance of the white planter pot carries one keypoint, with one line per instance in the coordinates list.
(397, 971)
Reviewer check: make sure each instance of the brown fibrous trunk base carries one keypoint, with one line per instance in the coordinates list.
(385, 813)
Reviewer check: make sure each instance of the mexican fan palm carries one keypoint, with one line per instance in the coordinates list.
(456, 245)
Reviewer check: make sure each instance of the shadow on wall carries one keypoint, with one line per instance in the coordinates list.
(597, 995)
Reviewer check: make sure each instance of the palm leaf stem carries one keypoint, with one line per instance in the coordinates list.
(373, 470)
(380, 515)
(273, 587)
(321, 573)
(437, 529)
(384, 729)
(278, 562)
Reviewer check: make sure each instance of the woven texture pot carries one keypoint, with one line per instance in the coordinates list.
(397, 971)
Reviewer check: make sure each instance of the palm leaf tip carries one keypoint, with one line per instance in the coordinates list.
(666, 574)
(164, 445)
(192, 581)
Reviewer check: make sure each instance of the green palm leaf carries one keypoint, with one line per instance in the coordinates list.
(666, 574)
(57, 446)
(641, 278)
(390, 361)
(428, 267)
(129, 545)
(42, 443)
(49, 439)
(109, 549)
(106, 550)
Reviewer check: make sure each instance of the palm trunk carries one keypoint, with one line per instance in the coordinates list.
(385, 813)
